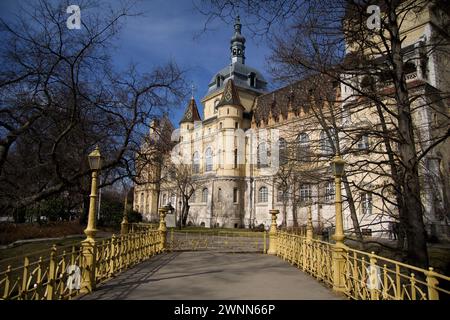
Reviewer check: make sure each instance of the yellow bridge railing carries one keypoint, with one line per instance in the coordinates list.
(59, 274)
(365, 276)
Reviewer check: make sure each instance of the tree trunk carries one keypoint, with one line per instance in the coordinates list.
(284, 223)
(351, 205)
(415, 228)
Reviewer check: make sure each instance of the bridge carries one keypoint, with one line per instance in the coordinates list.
(211, 275)
(148, 263)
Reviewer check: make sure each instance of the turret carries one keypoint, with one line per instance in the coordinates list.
(230, 109)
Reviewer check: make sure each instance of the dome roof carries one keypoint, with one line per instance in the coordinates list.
(240, 74)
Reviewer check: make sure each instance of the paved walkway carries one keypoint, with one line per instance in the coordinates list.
(208, 275)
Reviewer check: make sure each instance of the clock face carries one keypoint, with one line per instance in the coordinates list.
(189, 114)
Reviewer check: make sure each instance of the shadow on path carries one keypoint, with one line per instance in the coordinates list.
(212, 275)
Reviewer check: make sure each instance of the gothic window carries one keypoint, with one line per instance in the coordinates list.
(329, 191)
(262, 156)
(205, 195)
(282, 152)
(305, 192)
(219, 195)
(208, 160)
(366, 202)
(263, 194)
(303, 147)
(196, 163)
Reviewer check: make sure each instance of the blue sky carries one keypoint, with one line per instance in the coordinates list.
(167, 31)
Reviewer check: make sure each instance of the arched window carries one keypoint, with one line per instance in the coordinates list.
(329, 191)
(303, 147)
(205, 195)
(219, 195)
(262, 156)
(305, 192)
(196, 162)
(208, 160)
(263, 194)
(282, 149)
(326, 146)
(366, 202)
(164, 199)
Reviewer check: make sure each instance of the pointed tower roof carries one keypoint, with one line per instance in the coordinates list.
(191, 113)
(230, 95)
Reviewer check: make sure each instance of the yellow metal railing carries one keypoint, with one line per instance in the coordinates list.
(58, 274)
(369, 276)
(366, 276)
(230, 241)
(311, 256)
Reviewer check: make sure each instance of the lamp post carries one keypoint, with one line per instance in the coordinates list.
(124, 224)
(339, 249)
(88, 245)
(337, 166)
(309, 225)
(94, 164)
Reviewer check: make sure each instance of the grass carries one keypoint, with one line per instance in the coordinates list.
(14, 256)
(11, 232)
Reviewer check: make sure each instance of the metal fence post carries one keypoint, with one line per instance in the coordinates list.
(162, 228)
(89, 251)
(51, 274)
(273, 233)
(432, 284)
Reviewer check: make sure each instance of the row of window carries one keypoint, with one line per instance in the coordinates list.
(305, 193)
(305, 196)
(204, 195)
(303, 152)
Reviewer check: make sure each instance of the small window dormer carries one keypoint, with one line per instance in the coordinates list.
(218, 81)
(252, 79)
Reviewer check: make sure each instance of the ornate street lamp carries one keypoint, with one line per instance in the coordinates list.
(95, 164)
(337, 166)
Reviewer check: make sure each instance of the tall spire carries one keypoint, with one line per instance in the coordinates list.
(237, 43)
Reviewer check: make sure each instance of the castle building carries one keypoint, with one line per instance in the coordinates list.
(250, 150)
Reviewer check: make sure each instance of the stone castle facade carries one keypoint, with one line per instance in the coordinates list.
(241, 146)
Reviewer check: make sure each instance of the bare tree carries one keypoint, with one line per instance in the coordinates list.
(60, 96)
(332, 38)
